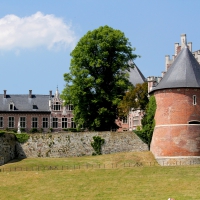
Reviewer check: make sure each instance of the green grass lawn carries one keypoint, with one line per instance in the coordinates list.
(149, 183)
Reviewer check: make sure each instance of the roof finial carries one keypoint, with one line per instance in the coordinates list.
(57, 92)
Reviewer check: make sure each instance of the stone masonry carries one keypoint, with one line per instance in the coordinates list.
(78, 144)
(7, 148)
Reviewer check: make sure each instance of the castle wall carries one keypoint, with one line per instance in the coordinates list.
(176, 140)
(78, 144)
(175, 106)
(173, 135)
(7, 148)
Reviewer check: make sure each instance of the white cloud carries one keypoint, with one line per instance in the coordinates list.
(34, 31)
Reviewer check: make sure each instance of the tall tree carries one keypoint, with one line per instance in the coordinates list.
(136, 98)
(98, 77)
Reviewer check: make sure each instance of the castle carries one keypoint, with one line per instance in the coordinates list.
(176, 134)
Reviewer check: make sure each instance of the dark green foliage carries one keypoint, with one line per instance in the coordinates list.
(70, 129)
(34, 130)
(97, 144)
(98, 77)
(2, 133)
(22, 137)
(136, 98)
(148, 122)
(14, 130)
(23, 130)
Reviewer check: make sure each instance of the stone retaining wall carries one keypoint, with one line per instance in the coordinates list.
(78, 144)
(7, 148)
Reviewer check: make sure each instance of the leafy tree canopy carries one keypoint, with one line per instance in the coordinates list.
(98, 77)
(136, 97)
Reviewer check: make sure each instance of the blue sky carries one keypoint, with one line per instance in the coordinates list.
(37, 36)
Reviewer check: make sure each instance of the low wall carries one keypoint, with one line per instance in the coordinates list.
(78, 144)
(7, 148)
(178, 160)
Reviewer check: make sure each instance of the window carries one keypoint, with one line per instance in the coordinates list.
(194, 100)
(124, 120)
(70, 107)
(194, 122)
(136, 121)
(55, 122)
(22, 122)
(73, 125)
(45, 122)
(11, 122)
(56, 106)
(64, 122)
(11, 106)
(1, 122)
(34, 122)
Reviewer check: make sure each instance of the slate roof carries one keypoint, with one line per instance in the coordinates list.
(136, 76)
(22, 103)
(183, 73)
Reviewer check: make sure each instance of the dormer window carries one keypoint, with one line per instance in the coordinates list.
(56, 106)
(11, 106)
(35, 107)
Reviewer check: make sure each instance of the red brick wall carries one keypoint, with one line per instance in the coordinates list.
(182, 140)
(173, 136)
(175, 106)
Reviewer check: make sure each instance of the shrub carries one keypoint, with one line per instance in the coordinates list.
(22, 137)
(70, 129)
(23, 130)
(97, 144)
(2, 133)
(34, 130)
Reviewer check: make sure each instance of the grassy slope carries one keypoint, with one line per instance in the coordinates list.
(152, 183)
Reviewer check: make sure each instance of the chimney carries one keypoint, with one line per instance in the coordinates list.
(50, 93)
(30, 94)
(4, 95)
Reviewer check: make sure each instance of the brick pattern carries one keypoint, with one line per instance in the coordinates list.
(175, 106)
(173, 135)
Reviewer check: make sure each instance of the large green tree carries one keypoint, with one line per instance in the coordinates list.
(98, 77)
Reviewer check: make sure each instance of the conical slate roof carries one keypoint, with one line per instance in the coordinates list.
(183, 73)
(136, 76)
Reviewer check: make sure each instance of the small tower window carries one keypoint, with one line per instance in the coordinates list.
(194, 100)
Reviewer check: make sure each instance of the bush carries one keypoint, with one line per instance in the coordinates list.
(70, 129)
(2, 133)
(23, 130)
(22, 137)
(34, 130)
(97, 144)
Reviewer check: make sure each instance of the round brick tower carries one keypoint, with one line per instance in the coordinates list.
(176, 135)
